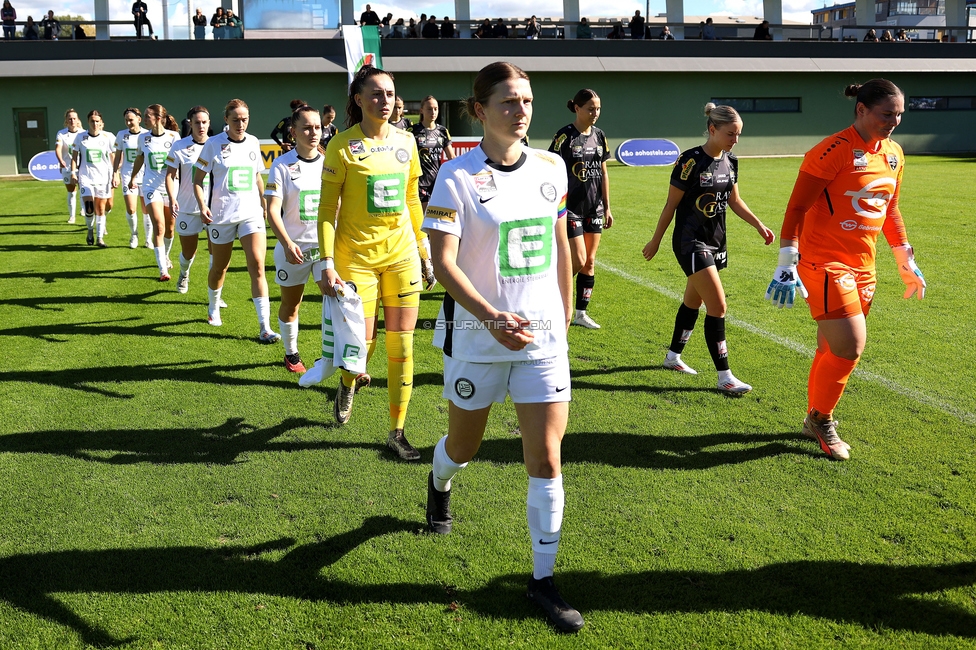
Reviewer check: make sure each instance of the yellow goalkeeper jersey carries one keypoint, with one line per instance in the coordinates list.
(374, 184)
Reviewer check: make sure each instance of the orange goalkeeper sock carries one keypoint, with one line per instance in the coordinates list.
(817, 358)
(829, 381)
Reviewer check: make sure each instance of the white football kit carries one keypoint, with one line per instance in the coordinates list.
(297, 182)
(95, 164)
(183, 157)
(155, 149)
(65, 142)
(127, 146)
(235, 201)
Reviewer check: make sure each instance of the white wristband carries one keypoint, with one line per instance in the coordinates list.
(329, 264)
(788, 256)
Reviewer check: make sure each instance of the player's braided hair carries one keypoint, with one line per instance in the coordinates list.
(872, 92)
(580, 99)
(490, 76)
(354, 113)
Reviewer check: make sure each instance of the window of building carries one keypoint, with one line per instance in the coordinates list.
(903, 8)
(880, 8)
(761, 104)
(943, 103)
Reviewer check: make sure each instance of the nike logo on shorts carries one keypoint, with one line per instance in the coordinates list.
(485, 200)
(415, 282)
(559, 390)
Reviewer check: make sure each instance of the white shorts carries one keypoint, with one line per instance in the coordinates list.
(66, 176)
(472, 386)
(96, 191)
(189, 224)
(228, 232)
(154, 196)
(126, 179)
(291, 275)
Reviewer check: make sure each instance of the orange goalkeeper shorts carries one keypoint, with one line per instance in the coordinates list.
(836, 290)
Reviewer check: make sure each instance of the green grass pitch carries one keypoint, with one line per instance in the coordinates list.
(166, 484)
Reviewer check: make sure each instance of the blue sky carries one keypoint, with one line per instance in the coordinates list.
(796, 10)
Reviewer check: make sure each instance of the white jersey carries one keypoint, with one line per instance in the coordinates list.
(183, 157)
(235, 166)
(506, 218)
(66, 144)
(127, 144)
(297, 182)
(155, 149)
(95, 158)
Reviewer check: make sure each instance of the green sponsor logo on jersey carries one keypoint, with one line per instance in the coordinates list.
(525, 247)
(130, 155)
(386, 193)
(240, 179)
(157, 160)
(94, 156)
(308, 205)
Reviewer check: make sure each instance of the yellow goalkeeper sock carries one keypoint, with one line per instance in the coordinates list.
(399, 363)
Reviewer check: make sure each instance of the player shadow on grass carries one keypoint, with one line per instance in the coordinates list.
(87, 379)
(226, 444)
(880, 598)
(30, 581)
(87, 274)
(51, 333)
(658, 452)
(47, 303)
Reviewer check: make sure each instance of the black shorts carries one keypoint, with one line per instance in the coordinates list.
(578, 225)
(695, 261)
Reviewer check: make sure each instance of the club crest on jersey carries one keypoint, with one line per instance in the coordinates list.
(599, 151)
(892, 161)
(484, 183)
(356, 147)
(252, 156)
(464, 388)
(705, 179)
(548, 192)
(686, 169)
(402, 155)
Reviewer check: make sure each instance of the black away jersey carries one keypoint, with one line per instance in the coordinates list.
(699, 221)
(430, 146)
(584, 156)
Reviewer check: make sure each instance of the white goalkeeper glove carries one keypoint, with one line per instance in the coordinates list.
(426, 266)
(786, 282)
(910, 275)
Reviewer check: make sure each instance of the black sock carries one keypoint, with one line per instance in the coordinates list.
(684, 325)
(715, 340)
(584, 289)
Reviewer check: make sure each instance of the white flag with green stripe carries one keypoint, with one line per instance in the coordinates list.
(362, 48)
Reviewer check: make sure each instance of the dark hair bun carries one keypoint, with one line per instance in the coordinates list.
(852, 90)
(571, 106)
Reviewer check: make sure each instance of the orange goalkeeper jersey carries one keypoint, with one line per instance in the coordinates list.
(862, 191)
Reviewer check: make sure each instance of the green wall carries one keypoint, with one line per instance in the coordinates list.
(655, 105)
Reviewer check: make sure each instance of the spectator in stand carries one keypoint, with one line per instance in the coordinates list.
(9, 16)
(30, 30)
(447, 28)
(369, 17)
(398, 29)
(762, 32)
(50, 27)
(412, 29)
(532, 29)
(871, 36)
(500, 30)
(199, 27)
(484, 30)
(636, 26)
(902, 37)
(80, 33)
(617, 32)
(235, 26)
(665, 34)
(219, 23)
(431, 30)
(385, 25)
(583, 29)
(708, 31)
(886, 37)
(140, 18)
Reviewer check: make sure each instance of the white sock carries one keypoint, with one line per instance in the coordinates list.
(580, 313)
(168, 245)
(131, 220)
(214, 296)
(161, 260)
(444, 468)
(72, 203)
(185, 264)
(89, 222)
(289, 335)
(544, 512)
(262, 305)
(100, 225)
(673, 356)
(147, 227)
(725, 376)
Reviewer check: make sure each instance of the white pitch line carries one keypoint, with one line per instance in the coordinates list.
(964, 416)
